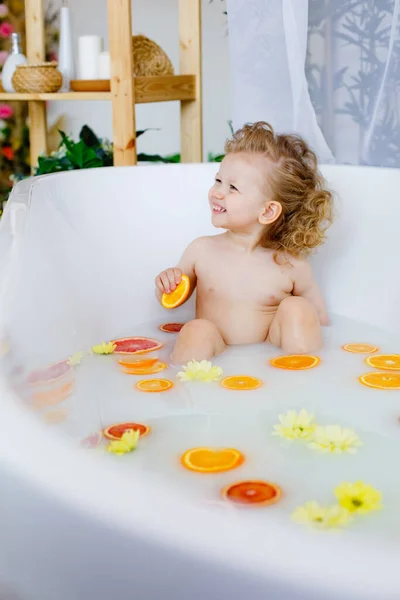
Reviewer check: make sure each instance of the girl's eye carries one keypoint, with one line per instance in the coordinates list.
(217, 180)
(233, 188)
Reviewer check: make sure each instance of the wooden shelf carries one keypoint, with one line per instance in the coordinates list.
(165, 88)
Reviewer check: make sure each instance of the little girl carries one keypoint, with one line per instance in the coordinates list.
(253, 282)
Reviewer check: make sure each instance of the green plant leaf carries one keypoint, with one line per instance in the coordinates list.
(89, 137)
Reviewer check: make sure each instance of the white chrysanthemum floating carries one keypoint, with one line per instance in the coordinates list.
(75, 359)
(202, 370)
(335, 439)
(322, 517)
(295, 426)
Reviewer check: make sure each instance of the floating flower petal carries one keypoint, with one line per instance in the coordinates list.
(335, 439)
(75, 359)
(104, 348)
(358, 497)
(322, 517)
(295, 426)
(127, 443)
(200, 371)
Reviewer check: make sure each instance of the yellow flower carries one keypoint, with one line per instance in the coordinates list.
(328, 517)
(104, 348)
(200, 371)
(295, 426)
(75, 359)
(334, 439)
(127, 443)
(359, 497)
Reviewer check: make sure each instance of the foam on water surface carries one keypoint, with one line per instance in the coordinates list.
(197, 414)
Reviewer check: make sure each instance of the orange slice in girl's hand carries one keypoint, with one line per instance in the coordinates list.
(150, 370)
(115, 432)
(360, 348)
(387, 362)
(295, 362)
(212, 460)
(241, 382)
(154, 385)
(381, 381)
(178, 296)
(252, 493)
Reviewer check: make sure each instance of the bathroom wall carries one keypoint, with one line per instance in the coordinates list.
(158, 19)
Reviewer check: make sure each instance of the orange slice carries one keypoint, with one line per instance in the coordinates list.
(115, 432)
(381, 381)
(241, 382)
(360, 348)
(178, 296)
(295, 362)
(252, 493)
(387, 362)
(51, 397)
(212, 460)
(154, 385)
(155, 368)
(138, 363)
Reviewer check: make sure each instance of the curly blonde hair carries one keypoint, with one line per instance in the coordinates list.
(307, 206)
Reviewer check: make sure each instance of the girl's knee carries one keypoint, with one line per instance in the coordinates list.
(198, 325)
(298, 308)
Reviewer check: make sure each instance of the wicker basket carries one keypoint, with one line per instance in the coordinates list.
(149, 58)
(40, 78)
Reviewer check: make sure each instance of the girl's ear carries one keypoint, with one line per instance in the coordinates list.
(271, 212)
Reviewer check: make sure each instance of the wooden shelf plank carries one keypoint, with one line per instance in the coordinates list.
(166, 88)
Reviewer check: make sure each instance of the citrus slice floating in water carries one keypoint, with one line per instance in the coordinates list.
(295, 362)
(154, 385)
(171, 327)
(252, 493)
(178, 296)
(360, 348)
(49, 374)
(212, 460)
(150, 370)
(381, 381)
(135, 345)
(241, 382)
(138, 363)
(115, 432)
(387, 362)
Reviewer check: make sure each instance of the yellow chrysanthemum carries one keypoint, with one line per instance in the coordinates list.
(75, 359)
(295, 426)
(358, 497)
(104, 348)
(200, 371)
(328, 517)
(127, 443)
(334, 439)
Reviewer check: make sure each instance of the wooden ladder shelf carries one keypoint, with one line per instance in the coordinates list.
(126, 90)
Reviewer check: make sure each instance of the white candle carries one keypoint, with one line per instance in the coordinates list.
(104, 65)
(89, 47)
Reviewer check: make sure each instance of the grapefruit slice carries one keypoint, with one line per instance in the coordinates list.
(295, 362)
(171, 327)
(115, 432)
(381, 381)
(154, 385)
(178, 296)
(49, 374)
(156, 367)
(360, 348)
(252, 493)
(241, 382)
(387, 362)
(91, 441)
(135, 345)
(212, 460)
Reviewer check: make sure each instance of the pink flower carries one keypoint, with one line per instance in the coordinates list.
(6, 111)
(3, 11)
(6, 30)
(3, 55)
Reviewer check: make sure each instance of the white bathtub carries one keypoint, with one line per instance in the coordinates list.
(79, 252)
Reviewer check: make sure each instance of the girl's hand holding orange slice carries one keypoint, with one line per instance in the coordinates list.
(174, 287)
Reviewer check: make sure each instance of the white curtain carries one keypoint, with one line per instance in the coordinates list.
(327, 69)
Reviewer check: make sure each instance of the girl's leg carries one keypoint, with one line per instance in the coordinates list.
(198, 340)
(296, 327)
